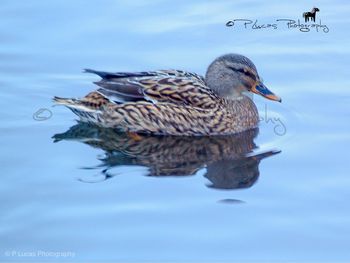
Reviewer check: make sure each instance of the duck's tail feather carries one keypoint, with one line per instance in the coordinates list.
(65, 101)
(73, 103)
(80, 108)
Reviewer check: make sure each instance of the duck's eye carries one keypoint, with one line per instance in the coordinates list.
(245, 71)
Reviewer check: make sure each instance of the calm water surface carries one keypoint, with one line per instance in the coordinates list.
(280, 193)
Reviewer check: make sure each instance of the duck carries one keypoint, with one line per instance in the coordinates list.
(175, 102)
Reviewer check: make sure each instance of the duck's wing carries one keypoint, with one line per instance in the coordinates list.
(157, 73)
(172, 86)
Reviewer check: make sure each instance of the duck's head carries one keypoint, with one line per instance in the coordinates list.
(232, 74)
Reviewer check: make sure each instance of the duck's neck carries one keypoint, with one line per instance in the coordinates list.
(227, 92)
(244, 108)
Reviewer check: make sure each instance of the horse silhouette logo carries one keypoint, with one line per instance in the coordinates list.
(312, 14)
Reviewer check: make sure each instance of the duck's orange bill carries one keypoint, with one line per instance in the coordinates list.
(262, 90)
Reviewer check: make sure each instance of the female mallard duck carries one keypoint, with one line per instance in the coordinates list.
(175, 102)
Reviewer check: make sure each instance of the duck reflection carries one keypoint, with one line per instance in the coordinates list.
(230, 161)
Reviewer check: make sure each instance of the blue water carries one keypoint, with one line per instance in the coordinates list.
(76, 193)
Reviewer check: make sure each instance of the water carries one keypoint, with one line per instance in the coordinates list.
(89, 194)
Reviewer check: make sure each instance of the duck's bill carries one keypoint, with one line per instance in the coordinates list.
(262, 90)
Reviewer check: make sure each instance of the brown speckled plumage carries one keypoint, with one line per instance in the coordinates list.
(173, 102)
